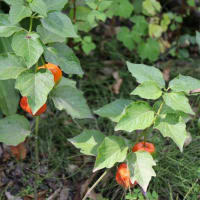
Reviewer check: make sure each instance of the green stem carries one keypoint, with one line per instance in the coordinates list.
(31, 24)
(94, 185)
(37, 119)
(43, 61)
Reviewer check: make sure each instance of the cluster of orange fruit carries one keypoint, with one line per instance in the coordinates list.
(57, 73)
(123, 173)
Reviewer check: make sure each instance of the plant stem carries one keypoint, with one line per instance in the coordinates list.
(31, 24)
(74, 13)
(94, 185)
(37, 119)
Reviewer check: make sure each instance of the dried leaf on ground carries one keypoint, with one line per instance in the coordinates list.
(19, 151)
(117, 85)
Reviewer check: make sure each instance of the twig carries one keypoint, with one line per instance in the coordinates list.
(55, 194)
(194, 91)
(94, 185)
(36, 156)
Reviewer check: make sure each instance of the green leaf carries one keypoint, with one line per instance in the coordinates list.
(10, 66)
(94, 16)
(47, 36)
(124, 35)
(88, 141)
(60, 54)
(137, 116)
(148, 90)
(55, 5)
(39, 7)
(113, 149)
(5, 45)
(168, 110)
(141, 163)
(178, 101)
(151, 7)
(149, 49)
(87, 44)
(59, 24)
(27, 46)
(72, 101)
(103, 5)
(140, 24)
(121, 8)
(35, 86)
(14, 129)
(172, 125)
(144, 73)
(67, 82)
(6, 27)
(155, 30)
(184, 84)
(9, 98)
(18, 12)
(115, 110)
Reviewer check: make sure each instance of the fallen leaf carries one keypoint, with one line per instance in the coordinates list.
(19, 151)
(117, 85)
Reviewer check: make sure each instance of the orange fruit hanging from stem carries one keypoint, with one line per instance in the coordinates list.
(55, 70)
(144, 146)
(24, 105)
(123, 176)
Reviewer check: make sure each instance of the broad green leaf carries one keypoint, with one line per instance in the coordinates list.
(149, 50)
(81, 18)
(113, 149)
(184, 84)
(172, 125)
(59, 24)
(35, 86)
(47, 36)
(124, 35)
(60, 54)
(9, 98)
(168, 110)
(6, 27)
(141, 165)
(10, 66)
(14, 129)
(144, 73)
(140, 24)
(165, 22)
(87, 44)
(39, 7)
(151, 7)
(115, 110)
(67, 82)
(148, 90)
(103, 5)
(137, 116)
(55, 5)
(72, 101)
(18, 11)
(10, 2)
(27, 46)
(5, 45)
(88, 141)
(120, 8)
(178, 101)
(155, 30)
(94, 16)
